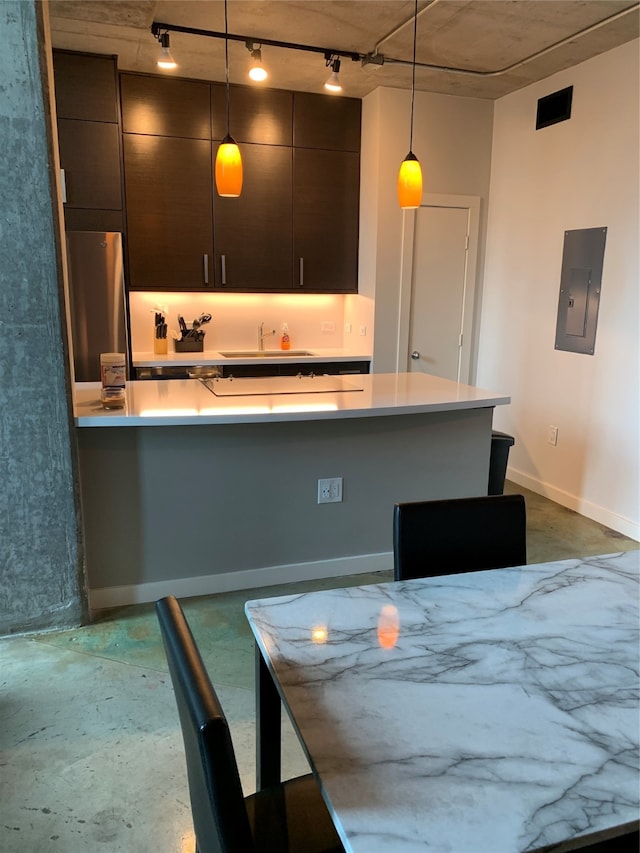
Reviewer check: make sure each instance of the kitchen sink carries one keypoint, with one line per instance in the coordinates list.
(270, 353)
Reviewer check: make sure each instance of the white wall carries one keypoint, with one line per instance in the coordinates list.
(452, 140)
(582, 173)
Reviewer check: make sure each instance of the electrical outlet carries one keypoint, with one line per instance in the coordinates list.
(327, 326)
(330, 491)
(347, 328)
(363, 330)
(552, 435)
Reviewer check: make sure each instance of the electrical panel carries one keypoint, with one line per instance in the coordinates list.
(580, 288)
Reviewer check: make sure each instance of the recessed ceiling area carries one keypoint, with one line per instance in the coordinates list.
(496, 46)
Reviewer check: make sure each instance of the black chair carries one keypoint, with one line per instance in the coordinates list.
(459, 535)
(291, 816)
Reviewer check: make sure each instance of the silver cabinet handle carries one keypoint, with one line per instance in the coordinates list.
(223, 268)
(63, 182)
(415, 355)
(205, 262)
(301, 281)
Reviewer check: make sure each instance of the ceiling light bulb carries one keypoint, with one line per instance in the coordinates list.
(333, 83)
(258, 73)
(166, 61)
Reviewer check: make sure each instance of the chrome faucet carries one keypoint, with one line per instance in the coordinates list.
(262, 335)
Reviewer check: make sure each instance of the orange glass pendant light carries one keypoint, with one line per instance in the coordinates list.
(410, 175)
(228, 159)
(228, 168)
(410, 182)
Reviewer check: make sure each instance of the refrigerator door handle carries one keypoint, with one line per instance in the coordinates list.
(205, 263)
(223, 268)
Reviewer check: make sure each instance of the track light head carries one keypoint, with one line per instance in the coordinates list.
(333, 83)
(257, 71)
(165, 60)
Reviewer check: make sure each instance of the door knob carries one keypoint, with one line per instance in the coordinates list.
(415, 355)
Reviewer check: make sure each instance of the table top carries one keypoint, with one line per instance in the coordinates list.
(491, 711)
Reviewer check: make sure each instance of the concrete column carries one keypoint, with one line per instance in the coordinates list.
(41, 577)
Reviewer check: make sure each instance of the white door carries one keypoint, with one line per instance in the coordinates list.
(439, 284)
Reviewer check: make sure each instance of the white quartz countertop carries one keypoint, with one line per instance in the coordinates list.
(190, 402)
(270, 356)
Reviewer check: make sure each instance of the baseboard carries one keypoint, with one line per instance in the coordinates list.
(593, 511)
(117, 596)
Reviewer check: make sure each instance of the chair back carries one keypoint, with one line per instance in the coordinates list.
(217, 803)
(458, 535)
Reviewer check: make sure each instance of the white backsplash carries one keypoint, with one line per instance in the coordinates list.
(314, 320)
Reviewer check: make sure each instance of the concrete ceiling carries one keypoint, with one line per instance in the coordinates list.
(497, 45)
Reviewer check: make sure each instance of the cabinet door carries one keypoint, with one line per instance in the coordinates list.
(161, 106)
(168, 186)
(253, 233)
(324, 121)
(86, 86)
(257, 115)
(90, 158)
(326, 189)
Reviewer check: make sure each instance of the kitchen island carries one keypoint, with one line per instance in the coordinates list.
(189, 491)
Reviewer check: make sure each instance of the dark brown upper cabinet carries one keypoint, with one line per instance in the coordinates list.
(169, 188)
(326, 189)
(90, 160)
(86, 93)
(262, 116)
(86, 86)
(326, 121)
(163, 106)
(253, 233)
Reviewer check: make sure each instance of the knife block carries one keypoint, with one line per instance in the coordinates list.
(160, 346)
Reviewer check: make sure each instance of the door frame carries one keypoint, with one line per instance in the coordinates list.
(471, 204)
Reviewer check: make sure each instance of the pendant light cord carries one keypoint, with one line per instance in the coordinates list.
(226, 60)
(413, 75)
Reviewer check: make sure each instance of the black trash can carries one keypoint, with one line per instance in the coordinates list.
(500, 444)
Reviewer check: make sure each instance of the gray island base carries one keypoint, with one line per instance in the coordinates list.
(229, 499)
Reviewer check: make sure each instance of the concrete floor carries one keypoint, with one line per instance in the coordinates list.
(92, 751)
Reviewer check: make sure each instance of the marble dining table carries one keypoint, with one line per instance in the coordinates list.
(483, 712)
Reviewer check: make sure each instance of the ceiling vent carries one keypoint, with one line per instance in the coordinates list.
(554, 108)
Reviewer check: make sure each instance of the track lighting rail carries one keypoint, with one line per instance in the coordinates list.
(158, 27)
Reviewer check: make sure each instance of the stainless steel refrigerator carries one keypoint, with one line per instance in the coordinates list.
(98, 301)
